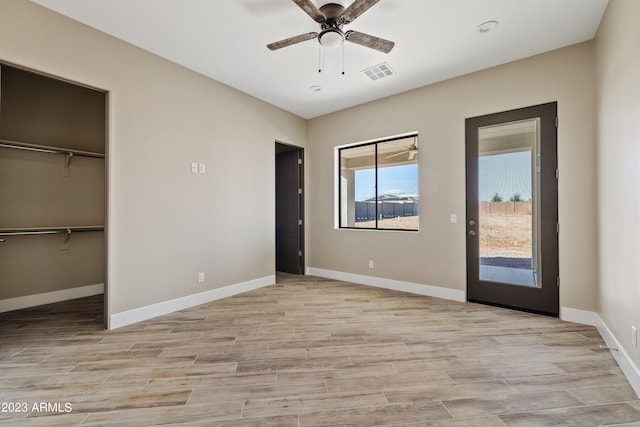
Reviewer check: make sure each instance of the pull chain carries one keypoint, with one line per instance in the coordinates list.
(321, 56)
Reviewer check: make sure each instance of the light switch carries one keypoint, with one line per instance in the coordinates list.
(201, 168)
(454, 219)
(194, 167)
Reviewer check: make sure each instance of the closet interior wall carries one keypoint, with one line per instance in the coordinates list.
(48, 190)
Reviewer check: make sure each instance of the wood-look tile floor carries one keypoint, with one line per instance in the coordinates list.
(309, 352)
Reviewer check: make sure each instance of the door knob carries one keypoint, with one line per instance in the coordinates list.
(472, 222)
(472, 233)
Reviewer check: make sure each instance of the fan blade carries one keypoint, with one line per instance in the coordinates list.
(357, 8)
(311, 10)
(370, 41)
(292, 40)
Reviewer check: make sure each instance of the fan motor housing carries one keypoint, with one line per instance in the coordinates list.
(332, 11)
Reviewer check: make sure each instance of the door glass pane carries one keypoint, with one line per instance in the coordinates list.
(507, 191)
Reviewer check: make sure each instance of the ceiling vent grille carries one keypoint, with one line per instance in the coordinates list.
(379, 71)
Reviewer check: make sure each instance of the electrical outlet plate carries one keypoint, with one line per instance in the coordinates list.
(370, 263)
(201, 277)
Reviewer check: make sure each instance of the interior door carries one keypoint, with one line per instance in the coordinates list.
(512, 209)
(289, 209)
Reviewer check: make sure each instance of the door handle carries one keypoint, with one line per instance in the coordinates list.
(472, 233)
(472, 222)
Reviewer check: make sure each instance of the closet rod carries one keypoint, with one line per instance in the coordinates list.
(47, 149)
(29, 231)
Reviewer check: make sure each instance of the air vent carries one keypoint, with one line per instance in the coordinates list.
(379, 71)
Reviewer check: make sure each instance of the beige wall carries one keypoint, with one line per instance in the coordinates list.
(436, 254)
(165, 223)
(618, 73)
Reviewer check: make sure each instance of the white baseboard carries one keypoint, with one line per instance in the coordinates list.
(27, 301)
(136, 315)
(396, 285)
(629, 368)
(580, 316)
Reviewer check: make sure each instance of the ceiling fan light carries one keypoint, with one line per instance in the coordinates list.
(331, 38)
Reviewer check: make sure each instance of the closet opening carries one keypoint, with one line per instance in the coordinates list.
(52, 192)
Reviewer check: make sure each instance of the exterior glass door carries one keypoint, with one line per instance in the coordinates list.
(512, 209)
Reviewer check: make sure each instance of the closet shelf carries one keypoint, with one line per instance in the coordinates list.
(47, 149)
(27, 231)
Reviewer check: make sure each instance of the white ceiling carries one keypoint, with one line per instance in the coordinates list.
(435, 40)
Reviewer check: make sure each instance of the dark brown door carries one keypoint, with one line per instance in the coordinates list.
(289, 209)
(512, 209)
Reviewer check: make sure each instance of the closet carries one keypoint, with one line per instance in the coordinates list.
(52, 189)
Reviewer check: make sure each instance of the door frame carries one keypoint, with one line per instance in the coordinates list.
(543, 299)
(281, 147)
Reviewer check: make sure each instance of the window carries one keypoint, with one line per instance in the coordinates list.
(379, 184)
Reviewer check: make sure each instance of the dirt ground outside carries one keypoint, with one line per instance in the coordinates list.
(507, 235)
(503, 234)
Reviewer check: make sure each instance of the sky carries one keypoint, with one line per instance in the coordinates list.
(396, 180)
(504, 174)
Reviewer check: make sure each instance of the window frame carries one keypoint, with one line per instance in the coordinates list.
(339, 192)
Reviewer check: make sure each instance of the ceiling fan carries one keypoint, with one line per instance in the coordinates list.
(412, 150)
(332, 17)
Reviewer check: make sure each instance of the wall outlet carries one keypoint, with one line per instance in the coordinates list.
(201, 277)
(202, 168)
(634, 336)
(370, 263)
